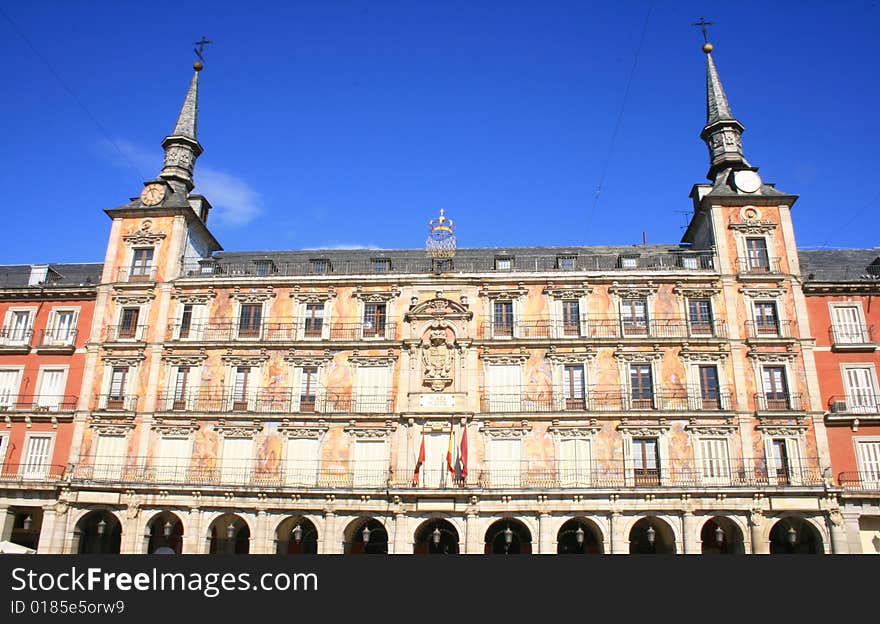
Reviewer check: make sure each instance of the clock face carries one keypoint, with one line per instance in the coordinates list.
(152, 194)
(747, 181)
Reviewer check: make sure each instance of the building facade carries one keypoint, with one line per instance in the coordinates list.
(640, 399)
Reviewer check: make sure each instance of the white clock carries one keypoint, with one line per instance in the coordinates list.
(747, 181)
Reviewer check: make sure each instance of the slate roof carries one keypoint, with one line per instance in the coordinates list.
(840, 265)
(72, 274)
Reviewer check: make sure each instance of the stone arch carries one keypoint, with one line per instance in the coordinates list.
(357, 542)
(163, 534)
(229, 533)
(808, 536)
(508, 536)
(731, 536)
(652, 535)
(98, 531)
(296, 535)
(591, 540)
(436, 536)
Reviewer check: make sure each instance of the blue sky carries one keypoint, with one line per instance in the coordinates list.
(330, 124)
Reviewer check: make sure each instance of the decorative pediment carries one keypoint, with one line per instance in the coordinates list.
(762, 293)
(305, 359)
(252, 295)
(504, 294)
(245, 359)
(176, 358)
(313, 431)
(770, 426)
(195, 298)
(629, 354)
(694, 355)
(500, 432)
(370, 433)
(570, 357)
(772, 356)
(632, 290)
(649, 429)
(696, 291)
(702, 428)
(116, 427)
(520, 357)
(312, 296)
(569, 431)
(124, 360)
(239, 429)
(376, 296)
(144, 235)
(752, 227)
(373, 360)
(124, 298)
(438, 307)
(175, 428)
(567, 291)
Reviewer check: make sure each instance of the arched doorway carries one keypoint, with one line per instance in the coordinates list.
(508, 537)
(366, 536)
(26, 525)
(229, 535)
(795, 536)
(98, 532)
(436, 537)
(579, 536)
(296, 535)
(721, 536)
(651, 536)
(164, 534)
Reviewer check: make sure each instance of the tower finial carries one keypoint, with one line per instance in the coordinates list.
(182, 146)
(441, 237)
(200, 64)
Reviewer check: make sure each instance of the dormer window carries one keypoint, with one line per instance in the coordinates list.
(566, 263)
(441, 265)
(503, 263)
(319, 265)
(629, 262)
(142, 264)
(264, 267)
(381, 265)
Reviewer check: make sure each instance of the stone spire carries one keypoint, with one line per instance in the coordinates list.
(723, 133)
(182, 148)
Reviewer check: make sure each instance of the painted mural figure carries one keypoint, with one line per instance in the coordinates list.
(438, 357)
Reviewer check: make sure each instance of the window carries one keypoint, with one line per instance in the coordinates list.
(51, 393)
(373, 389)
(505, 462)
(264, 267)
(641, 386)
(4, 442)
(646, 462)
(502, 319)
(308, 389)
(381, 265)
(700, 316)
(128, 323)
(634, 314)
(116, 395)
(756, 253)
(186, 320)
(766, 319)
(868, 454)
(17, 330)
(690, 262)
(180, 387)
(714, 460)
(371, 464)
(172, 462)
(573, 387)
(441, 265)
(110, 454)
(629, 262)
(320, 265)
(240, 394)
(236, 460)
(847, 326)
(314, 320)
(36, 457)
(861, 394)
(503, 264)
(709, 391)
(142, 263)
(574, 462)
(61, 329)
(775, 388)
(302, 461)
(571, 317)
(504, 387)
(783, 461)
(374, 320)
(10, 379)
(250, 320)
(566, 263)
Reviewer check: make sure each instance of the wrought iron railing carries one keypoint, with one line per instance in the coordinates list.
(279, 330)
(31, 472)
(38, 403)
(866, 481)
(57, 337)
(16, 336)
(854, 335)
(124, 332)
(778, 401)
(601, 327)
(759, 266)
(117, 402)
(275, 401)
(136, 274)
(768, 329)
(856, 403)
(603, 399)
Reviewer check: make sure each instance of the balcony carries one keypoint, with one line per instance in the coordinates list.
(599, 399)
(31, 472)
(117, 402)
(852, 338)
(865, 481)
(500, 475)
(124, 333)
(280, 330)
(768, 330)
(758, 267)
(38, 403)
(600, 328)
(858, 403)
(137, 274)
(275, 401)
(57, 340)
(778, 402)
(15, 339)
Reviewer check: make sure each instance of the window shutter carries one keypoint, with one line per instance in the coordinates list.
(110, 456)
(9, 384)
(296, 389)
(505, 387)
(373, 388)
(325, 326)
(848, 325)
(794, 457)
(236, 460)
(574, 466)
(860, 395)
(303, 462)
(505, 469)
(173, 460)
(868, 455)
(36, 463)
(51, 388)
(370, 459)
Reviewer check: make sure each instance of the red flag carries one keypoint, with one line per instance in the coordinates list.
(419, 461)
(449, 459)
(463, 453)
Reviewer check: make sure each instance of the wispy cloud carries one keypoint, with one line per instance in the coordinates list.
(235, 201)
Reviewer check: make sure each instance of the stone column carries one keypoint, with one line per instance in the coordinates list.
(760, 546)
(472, 535)
(853, 532)
(328, 541)
(545, 539)
(689, 538)
(839, 544)
(619, 544)
(7, 518)
(401, 543)
(193, 542)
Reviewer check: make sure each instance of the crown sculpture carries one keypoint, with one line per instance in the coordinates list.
(441, 237)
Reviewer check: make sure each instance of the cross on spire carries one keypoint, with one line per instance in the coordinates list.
(702, 24)
(204, 41)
